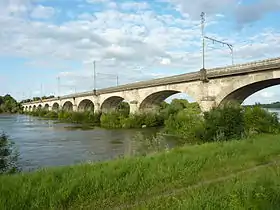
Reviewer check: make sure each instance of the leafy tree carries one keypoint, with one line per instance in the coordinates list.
(9, 105)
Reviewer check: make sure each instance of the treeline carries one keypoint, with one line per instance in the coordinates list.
(275, 105)
(37, 99)
(9, 105)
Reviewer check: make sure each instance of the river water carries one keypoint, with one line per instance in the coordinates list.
(44, 143)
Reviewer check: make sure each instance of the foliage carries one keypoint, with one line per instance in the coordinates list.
(148, 145)
(110, 120)
(224, 123)
(259, 120)
(8, 155)
(274, 105)
(9, 105)
(120, 183)
(123, 109)
(118, 120)
(187, 123)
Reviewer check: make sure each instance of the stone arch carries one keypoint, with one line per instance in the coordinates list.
(55, 106)
(156, 98)
(34, 108)
(86, 105)
(241, 93)
(67, 106)
(47, 106)
(30, 108)
(39, 107)
(111, 103)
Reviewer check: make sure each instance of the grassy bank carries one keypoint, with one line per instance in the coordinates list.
(125, 181)
(258, 189)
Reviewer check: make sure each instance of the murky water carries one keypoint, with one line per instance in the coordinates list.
(43, 143)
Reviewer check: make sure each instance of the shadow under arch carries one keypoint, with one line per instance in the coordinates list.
(55, 106)
(67, 106)
(86, 105)
(112, 103)
(47, 106)
(240, 94)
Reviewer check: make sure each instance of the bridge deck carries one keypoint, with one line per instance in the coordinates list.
(187, 77)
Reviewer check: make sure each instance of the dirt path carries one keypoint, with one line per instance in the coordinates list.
(199, 184)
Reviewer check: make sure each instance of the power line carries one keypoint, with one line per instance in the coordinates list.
(230, 46)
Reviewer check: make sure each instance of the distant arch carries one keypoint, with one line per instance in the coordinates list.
(111, 103)
(30, 108)
(39, 107)
(34, 108)
(55, 106)
(47, 106)
(67, 106)
(156, 98)
(86, 105)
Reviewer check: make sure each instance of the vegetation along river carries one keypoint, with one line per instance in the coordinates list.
(43, 143)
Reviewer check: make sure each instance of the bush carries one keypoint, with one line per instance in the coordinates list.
(259, 120)
(110, 120)
(186, 123)
(52, 115)
(224, 123)
(8, 156)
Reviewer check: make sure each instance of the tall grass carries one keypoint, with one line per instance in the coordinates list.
(258, 189)
(125, 181)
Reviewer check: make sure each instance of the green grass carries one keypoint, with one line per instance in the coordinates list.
(259, 189)
(125, 181)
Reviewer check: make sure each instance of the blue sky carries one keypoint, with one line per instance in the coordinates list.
(42, 40)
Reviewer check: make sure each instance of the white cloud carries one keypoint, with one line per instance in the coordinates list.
(135, 5)
(132, 45)
(42, 12)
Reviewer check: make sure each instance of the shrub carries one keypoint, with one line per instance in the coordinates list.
(52, 115)
(224, 123)
(8, 156)
(259, 120)
(186, 123)
(110, 120)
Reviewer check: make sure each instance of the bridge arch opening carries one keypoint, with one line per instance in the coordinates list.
(67, 106)
(241, 94)
(46, 107)
(30, 108)
(86, 105)
(160, 99)
(55, 106)
(34, 108)
(39, 107)
(115, 103)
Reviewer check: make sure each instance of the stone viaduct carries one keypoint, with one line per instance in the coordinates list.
(209, 88)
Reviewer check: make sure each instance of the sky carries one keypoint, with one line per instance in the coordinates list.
(48, 46)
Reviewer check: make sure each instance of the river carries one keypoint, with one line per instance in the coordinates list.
(44, 143)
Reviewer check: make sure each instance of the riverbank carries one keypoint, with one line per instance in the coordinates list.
(124, 182)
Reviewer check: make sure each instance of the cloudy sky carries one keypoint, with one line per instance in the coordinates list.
(43, 40)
